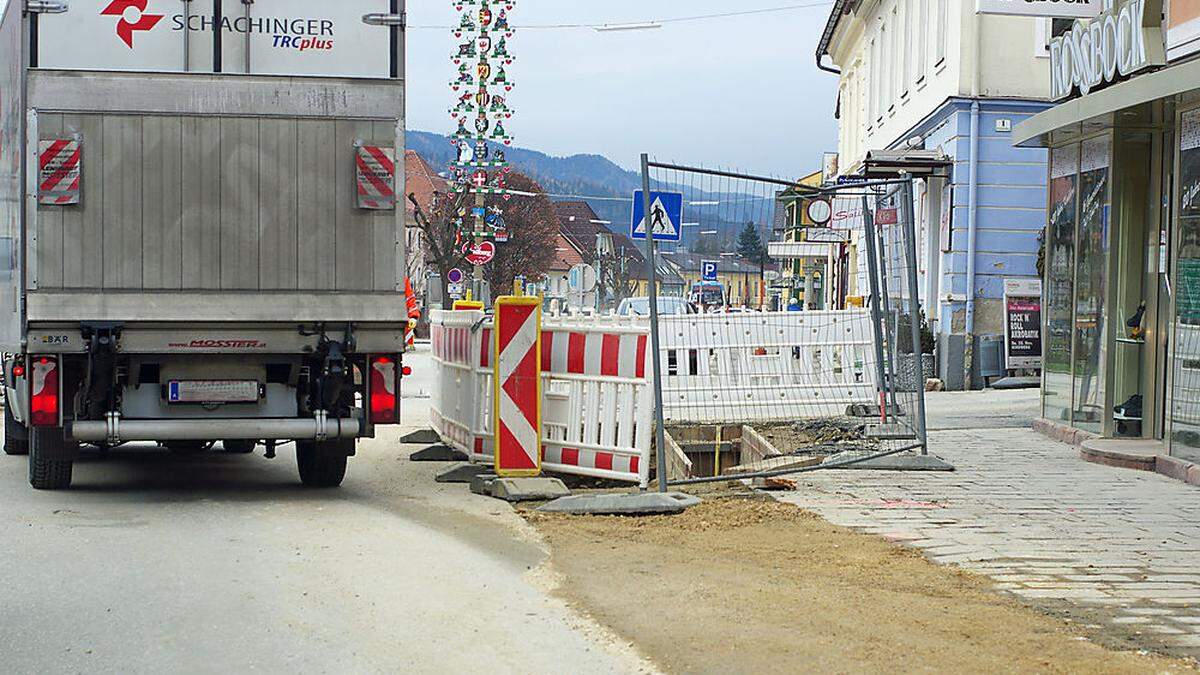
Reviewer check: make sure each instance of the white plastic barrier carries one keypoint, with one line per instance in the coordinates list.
(460, 403)
(597, 412)
(596, 399)
(764, 367)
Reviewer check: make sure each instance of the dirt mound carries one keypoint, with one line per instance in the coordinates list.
(751, 585)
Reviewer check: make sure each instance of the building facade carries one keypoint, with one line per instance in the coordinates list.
(932, 77)
(745, 282)
(1121, 300)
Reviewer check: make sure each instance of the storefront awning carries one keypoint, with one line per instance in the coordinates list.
(1171, 81)
(794, 250)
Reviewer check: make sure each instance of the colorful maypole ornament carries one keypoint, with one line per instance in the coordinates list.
(481, 54)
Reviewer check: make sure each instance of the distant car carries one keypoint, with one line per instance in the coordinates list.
(667, 306)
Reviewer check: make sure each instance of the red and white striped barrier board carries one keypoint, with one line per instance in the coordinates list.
(59, 171)
(591, 353)
(376, 174)
(517, 393)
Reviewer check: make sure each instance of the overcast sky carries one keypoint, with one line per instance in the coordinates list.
(735, 92)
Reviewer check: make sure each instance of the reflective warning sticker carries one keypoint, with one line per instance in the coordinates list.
(376, 170)
(59, 163)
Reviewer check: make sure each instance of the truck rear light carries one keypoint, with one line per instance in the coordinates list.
(44, 389)
(383, 390)
(406, 371)
(18, 370)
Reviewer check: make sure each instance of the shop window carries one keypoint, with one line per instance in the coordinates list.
(1060, 282)
(1185, 395)
(1091, 266)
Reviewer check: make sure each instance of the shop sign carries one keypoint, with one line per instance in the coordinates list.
(829, 167)
(1183, 28)
(1023, 323)
(1095, 52)
(1056, 9)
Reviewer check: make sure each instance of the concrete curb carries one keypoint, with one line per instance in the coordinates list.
(438, 453)
(1089, 452)
(425, 436)
(528, 489)
(463, 473)
(1171, 467)
(636, 504)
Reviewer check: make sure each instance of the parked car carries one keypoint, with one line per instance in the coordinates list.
(667, 306)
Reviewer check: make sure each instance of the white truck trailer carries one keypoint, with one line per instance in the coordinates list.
(200, 244)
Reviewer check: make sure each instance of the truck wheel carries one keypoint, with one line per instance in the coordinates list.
(16, 436)
(323, 464)
(44, 473)
(239, 447)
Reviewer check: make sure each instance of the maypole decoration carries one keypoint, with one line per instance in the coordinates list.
(481, 113)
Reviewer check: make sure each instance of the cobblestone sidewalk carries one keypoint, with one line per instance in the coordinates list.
(1113, 547)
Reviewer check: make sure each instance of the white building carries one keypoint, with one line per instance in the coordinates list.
(933, 79)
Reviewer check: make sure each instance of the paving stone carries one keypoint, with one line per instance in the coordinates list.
(1149, 611)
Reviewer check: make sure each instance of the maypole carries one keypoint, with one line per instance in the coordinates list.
(480, 168)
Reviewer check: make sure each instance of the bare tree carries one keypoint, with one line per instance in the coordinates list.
(619, 273)
(529, 221)
(532, 231)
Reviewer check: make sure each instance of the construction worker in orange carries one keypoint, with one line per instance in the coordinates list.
(414, 312)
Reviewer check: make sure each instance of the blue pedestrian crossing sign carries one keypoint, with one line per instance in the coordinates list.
(708, 270)
(666, 216)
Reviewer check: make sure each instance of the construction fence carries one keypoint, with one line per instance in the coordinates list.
(740, 393)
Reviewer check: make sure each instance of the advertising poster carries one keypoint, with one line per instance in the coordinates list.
(1023, 323)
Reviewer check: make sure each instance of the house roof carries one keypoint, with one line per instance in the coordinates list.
(566, 255)
(421, 181)
(840, 9)
(579, 225)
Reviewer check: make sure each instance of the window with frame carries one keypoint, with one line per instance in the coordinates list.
(885, 68)
(876, 73)
(906, 58)
(942, 22)
(922, 38)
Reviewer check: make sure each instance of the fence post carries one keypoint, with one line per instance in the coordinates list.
(660, 432)
(876, 327)
(910, 232)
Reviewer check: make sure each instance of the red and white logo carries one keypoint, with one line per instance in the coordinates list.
(133, 18)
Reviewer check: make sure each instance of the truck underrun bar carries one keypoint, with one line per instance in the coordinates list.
(116, 430)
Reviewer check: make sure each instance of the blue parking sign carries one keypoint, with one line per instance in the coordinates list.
(708, 270)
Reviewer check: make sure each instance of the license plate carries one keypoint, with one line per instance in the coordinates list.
(212, 391)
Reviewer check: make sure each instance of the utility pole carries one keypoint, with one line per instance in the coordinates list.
(599, 278)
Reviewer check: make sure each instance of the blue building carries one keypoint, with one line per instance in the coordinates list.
(931, 88)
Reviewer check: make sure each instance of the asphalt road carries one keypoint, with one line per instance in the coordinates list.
(223, 563)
